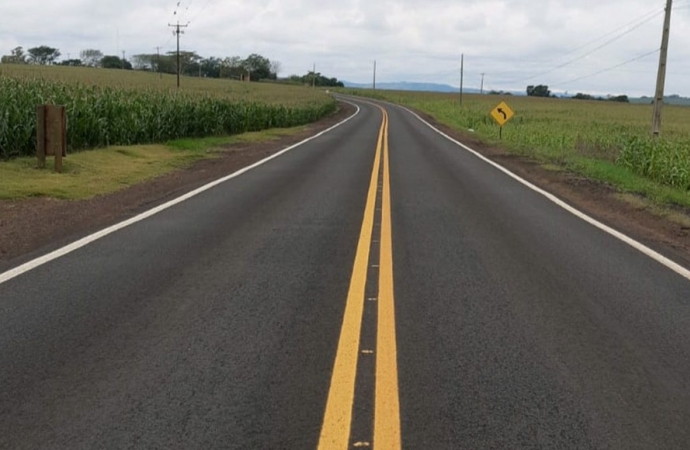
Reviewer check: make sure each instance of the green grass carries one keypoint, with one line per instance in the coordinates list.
(605, 141)
(103, 171)
(115, 107)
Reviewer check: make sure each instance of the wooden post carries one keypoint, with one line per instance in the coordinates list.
(41, 136)
(51, 134)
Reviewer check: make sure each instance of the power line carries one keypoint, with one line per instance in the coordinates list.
(608, 69)
(648, 16)
(645, 19)
(203, 8)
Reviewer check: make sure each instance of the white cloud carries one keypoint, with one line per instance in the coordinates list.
(509, 40)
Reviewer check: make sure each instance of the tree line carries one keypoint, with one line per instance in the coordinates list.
(254, 67)
(543, 91)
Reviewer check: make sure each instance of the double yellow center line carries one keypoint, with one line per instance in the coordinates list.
(335, 432)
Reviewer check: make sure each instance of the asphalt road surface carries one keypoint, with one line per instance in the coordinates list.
(376, 287)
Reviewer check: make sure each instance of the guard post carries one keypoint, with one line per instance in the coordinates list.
(51, 134)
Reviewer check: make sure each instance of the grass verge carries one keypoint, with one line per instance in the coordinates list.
(103, 171)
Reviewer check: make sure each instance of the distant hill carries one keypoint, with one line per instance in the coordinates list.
(669, 100)
(411, 86)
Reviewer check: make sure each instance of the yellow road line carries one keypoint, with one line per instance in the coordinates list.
(387, 403)
(335, 432)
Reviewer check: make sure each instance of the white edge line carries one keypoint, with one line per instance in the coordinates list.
(680, 270)
(28, 266)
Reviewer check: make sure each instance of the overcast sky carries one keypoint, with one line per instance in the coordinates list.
(515, 42)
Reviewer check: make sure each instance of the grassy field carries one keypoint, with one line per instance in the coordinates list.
(88, 174)
(606, 141)
(116, 107)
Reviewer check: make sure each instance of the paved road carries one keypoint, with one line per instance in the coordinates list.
(377, 286)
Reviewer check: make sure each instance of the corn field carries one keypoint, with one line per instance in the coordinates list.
(566, 132)
(99, 115)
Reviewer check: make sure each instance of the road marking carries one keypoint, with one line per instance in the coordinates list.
(26, 267)
(387, 403)
(656, 256)
(335, 432)
(368, 352)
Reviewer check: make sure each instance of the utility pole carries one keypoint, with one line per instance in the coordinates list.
(158, 62)
(313, 76)
(462, 74)
(177, 32)
(374, 74)
(661, 76)
(123, 59)
(481, 90)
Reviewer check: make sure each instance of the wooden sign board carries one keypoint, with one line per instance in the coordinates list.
(51, 134)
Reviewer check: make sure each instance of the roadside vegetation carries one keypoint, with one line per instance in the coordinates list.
(606, 141)
(116, 107)
(88, 174)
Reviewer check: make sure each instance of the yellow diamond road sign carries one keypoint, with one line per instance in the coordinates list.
(502, 113)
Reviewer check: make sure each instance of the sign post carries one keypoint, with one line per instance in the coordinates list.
(502, 115)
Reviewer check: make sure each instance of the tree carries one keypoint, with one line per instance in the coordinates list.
(91, 57)
(144, 61)
(620, 98)
(538, 91)
(114, 62)
(581, 96)
(189, 62)
(276, 67)
(71, 62)
(317, 79)
(17, 56)
(43, 55)
(231, 67)
(211, 67)
(259, 67)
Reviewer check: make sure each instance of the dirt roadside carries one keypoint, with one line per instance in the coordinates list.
(31, 227)
(27, 226)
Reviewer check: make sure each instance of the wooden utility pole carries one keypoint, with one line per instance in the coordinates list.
(462, 74)
(661, 76)
(313, 76)
(481, 89)
(177, 32)
(123, 59)
(374, 74)
(158, 62)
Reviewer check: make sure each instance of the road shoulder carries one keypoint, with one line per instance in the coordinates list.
(662, 228)
(31, 225)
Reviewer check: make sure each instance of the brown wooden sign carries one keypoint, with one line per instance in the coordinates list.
(51, 134)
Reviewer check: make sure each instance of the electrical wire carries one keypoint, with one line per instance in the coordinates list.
(637, 58)
(646, 16)
(203, 8)
(596, 49)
